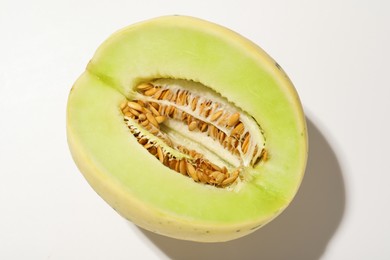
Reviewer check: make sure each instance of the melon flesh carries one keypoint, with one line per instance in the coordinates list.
(137, 185)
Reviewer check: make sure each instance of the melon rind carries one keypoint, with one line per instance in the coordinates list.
(133, 182)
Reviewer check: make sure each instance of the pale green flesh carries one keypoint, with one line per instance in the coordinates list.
(238, 70)
(123, 158)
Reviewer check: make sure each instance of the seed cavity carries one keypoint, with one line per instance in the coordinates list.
(194, 131)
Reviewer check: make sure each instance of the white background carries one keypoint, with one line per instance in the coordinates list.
(336, 53)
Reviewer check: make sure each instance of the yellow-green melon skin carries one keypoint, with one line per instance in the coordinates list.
(132, 181)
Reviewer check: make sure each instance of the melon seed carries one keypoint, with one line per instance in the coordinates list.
(206, 115)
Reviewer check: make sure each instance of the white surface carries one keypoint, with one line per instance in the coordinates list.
(336, 53)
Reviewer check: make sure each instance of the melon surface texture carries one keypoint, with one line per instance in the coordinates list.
(188, 129)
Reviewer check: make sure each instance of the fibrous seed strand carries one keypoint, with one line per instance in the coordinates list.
(201, 115)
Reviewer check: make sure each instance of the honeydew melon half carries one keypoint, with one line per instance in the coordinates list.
(136, 184)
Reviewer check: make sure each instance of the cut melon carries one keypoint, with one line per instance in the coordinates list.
(134, 164)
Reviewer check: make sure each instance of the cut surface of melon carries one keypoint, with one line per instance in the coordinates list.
(134, 182)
